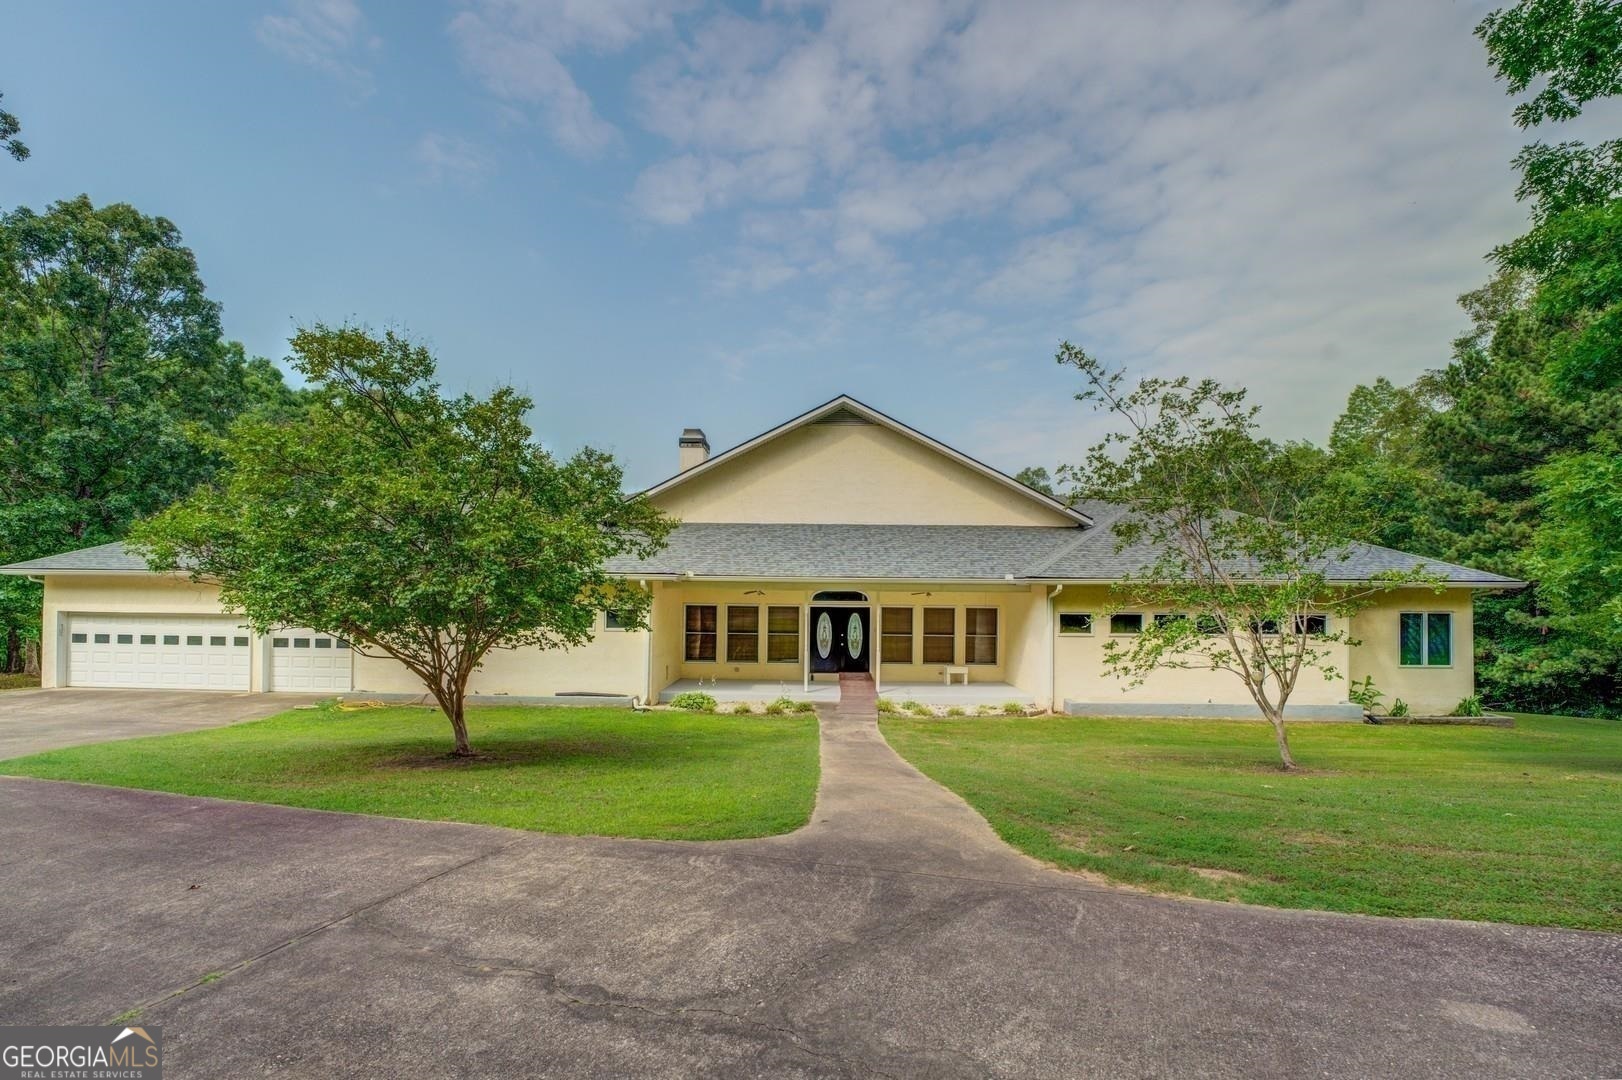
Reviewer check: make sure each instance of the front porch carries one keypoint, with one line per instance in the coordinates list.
(731, 691)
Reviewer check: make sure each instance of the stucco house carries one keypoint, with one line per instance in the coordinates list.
(841, 541)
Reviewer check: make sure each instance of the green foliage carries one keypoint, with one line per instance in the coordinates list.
(985, 710)
(113, 380)
(917, 708)
(1470, 706)
(1399, 708)
(779, 707)
(10, 126)
(956, 710)
(805, 707)
(886, 707)
(1240, 533)
(693, 701)
(1574, 47)
(1366, 694)
(742, 708)
(1013, 708)
(1036, 477)
(426, 528)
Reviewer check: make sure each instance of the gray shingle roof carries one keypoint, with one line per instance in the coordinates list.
(884, 552)
(112, 557)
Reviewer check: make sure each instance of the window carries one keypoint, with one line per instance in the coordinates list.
(980, 635)
(895, 640)
(616, 620)
(1126, 622)
(278, 643)
(837, 596)
(940, 635)
(171, 639)
(342, 644)
(1264, 627)
(1425, 639)
(782, 634)
(743, 633)
(1211, 625)
(701, 632)
(1075, 622)
(102, 639)
(1164, 617)
(126, 639)
(216, 641)
(301, 643)
(240, 642)
(80, 639)
(149, 639)
(1312, 624)
(194, 639)
(322, 643)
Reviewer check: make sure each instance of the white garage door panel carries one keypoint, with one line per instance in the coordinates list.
(158, 651)
(304, 660)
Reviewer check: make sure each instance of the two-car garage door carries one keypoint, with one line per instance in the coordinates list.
(176, 652)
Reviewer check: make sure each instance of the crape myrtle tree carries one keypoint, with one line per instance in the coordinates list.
(1239, 547)
(427, 528)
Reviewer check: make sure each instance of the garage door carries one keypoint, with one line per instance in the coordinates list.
(304, 660)
(158, 651)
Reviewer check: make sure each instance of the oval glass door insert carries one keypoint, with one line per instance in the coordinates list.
(825, 635)
(853, 636)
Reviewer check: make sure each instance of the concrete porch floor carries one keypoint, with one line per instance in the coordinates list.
(929, 693)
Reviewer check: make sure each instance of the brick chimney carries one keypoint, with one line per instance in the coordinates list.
(695, 448)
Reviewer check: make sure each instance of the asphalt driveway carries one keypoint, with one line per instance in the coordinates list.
(895, 936)
(36, 720)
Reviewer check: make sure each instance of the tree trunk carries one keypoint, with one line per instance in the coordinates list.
(453, 703)
(30, 658)
(10, 663)
(1283, 740)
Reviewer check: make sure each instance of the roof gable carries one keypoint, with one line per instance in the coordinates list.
(1035, 508)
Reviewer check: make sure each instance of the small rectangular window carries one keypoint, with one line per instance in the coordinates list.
(79, 639)
(216, 641)
(278, 643)
(895, 637)
(1126, 622)
(1312, 625)
(1425, 639)
(743, 633)
(980, 635)
(701, 633)
(1075, 622)
(126, 639)
(171, 639)
(301, 643)
(1211, 625)
(940, 635)
(782, 634)
(149, 639)
(1264, 627)
(323, 643)
(239, 642)
(342, 644)
(616, 620)
(1164, 617)
(103, 639)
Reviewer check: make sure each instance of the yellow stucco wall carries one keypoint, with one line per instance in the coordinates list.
(851, 474)
(1427, 690)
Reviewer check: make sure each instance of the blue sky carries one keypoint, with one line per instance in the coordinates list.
(655, 214)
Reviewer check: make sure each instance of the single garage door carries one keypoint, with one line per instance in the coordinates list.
(160, 651)
(307, 661)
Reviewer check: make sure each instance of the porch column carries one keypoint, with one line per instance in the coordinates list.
(878, 637)
(805, 641)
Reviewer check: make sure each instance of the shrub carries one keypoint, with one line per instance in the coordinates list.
(693, 701)
(986, 710)
(1470, 706)
(742, 708)
(1013, 708)
(779, 707)
(887, 707)
(1399, 708)
(917, 708)
(1365, 694)
(955, 711)
(804, 706)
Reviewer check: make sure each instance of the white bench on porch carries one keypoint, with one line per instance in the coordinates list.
(951, 670)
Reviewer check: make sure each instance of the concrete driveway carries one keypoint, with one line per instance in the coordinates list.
(894, 936)
(36, 720)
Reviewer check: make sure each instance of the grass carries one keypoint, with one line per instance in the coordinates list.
(1519, 825)
(582, 771)
(10, 681)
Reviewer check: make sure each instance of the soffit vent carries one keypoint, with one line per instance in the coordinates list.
(843, 415)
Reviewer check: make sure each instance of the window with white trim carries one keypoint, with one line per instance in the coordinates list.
(1425, 639)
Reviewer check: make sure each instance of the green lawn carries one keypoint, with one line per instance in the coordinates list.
(1519, 825)
(18, 682)
(609, 772)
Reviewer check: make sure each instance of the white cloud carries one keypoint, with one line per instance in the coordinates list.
(329, 35)
(517, 49)
(451, 158)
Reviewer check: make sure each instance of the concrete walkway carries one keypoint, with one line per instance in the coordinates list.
(894, 936)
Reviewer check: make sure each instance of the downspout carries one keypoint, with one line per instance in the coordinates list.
(647, 654)
(1053, 637)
